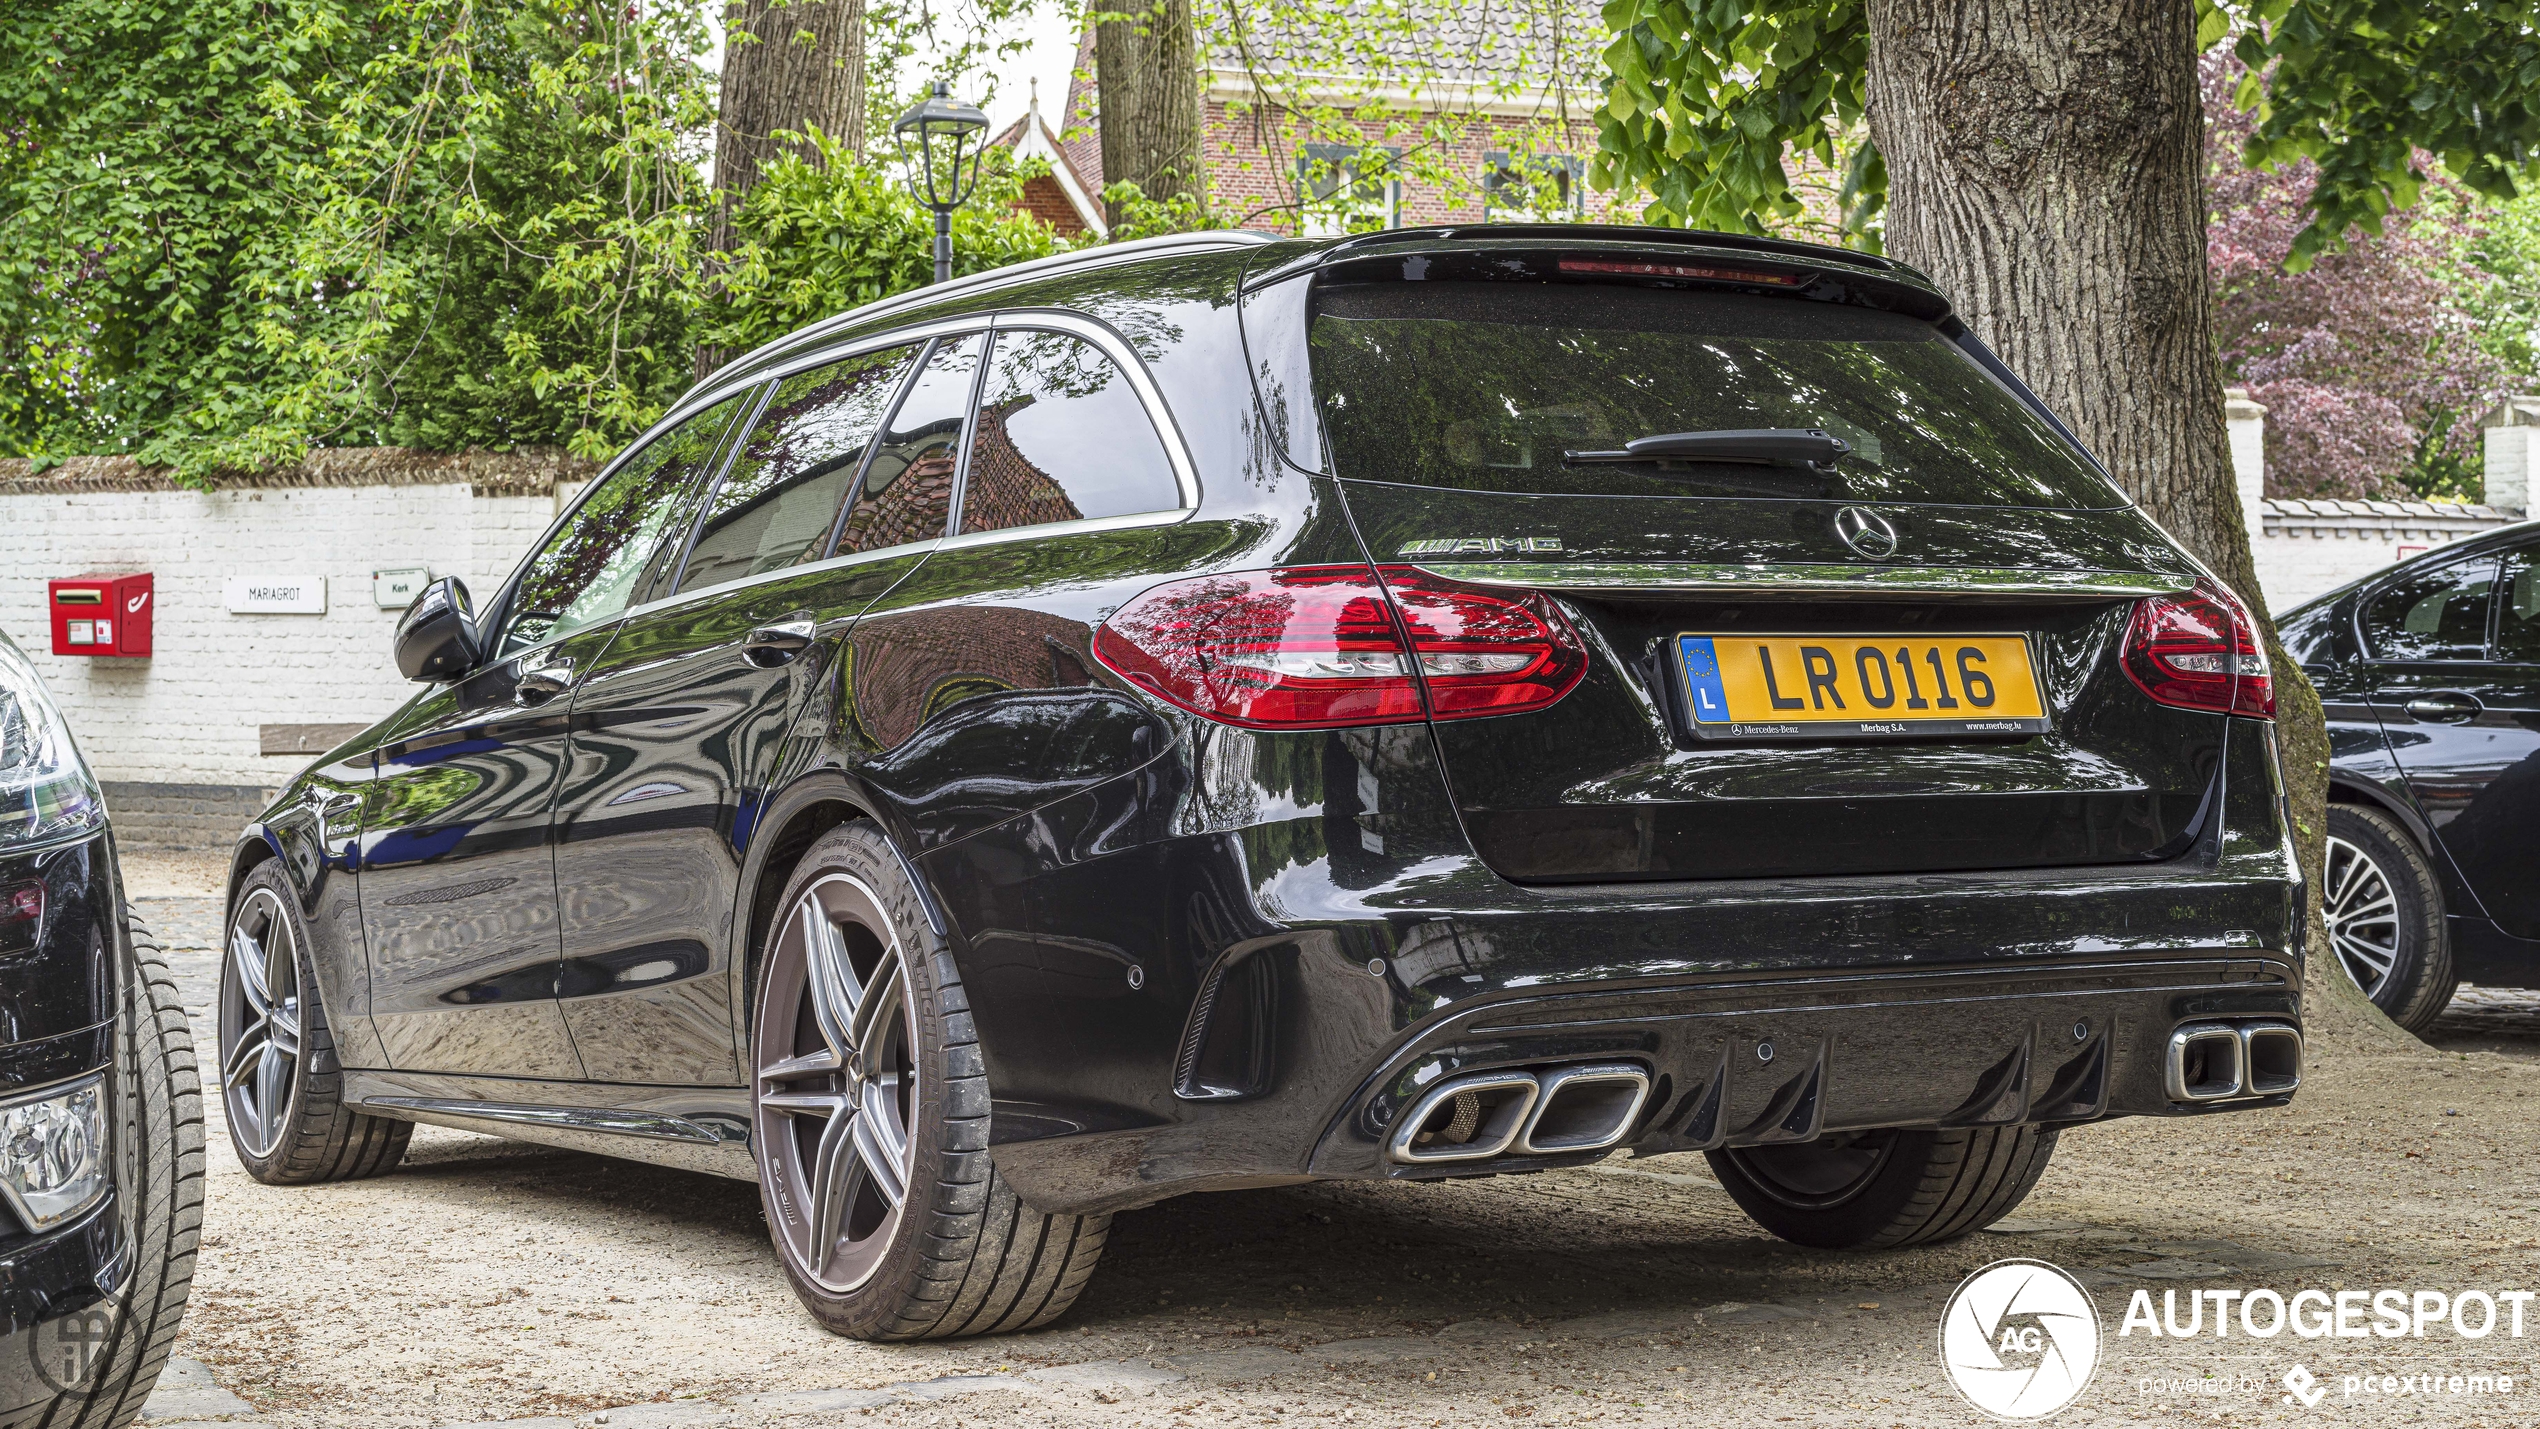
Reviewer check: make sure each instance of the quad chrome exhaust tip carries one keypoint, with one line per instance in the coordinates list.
(2225, 1061)
(1557, 1111)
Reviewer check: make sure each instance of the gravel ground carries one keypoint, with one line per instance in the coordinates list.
(491, 1281)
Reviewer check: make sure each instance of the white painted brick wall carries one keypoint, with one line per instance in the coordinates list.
(189, 714)
(2315, 546)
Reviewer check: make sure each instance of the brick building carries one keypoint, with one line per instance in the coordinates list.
(1476, 110)
(1064, 198)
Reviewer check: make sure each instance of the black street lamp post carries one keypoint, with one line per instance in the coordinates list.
(949, 134)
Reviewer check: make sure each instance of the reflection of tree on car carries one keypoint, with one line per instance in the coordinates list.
(602, 558)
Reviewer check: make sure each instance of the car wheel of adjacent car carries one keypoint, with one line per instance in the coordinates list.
(159, 1154)
(1874, 1190)
(282, 1091)
(872, 1120)
(2384, 909)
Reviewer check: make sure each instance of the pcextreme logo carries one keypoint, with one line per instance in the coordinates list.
(2019, 1339)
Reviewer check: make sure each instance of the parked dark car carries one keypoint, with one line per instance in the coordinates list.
(101, 1121)
(2430, 673)
(1222, 712)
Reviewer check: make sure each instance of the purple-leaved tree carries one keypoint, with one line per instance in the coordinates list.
(2369, 367)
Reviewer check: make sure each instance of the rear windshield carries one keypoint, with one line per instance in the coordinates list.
(1485, 386)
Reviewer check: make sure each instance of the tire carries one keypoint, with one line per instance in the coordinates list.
(281, 1087)
(159, 1145)
(2384, 909)
(1881, 1190)
(864, 1061)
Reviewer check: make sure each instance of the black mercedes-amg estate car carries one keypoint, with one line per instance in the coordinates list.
(101, 1117)
(1221, 712)
(2430, 673)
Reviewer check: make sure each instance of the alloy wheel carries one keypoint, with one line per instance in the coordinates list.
(2362, 913)
(260, 1022)
(837, 1083)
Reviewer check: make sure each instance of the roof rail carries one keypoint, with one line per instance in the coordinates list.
(1098, 256)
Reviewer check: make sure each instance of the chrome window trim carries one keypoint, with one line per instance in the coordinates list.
(738, 583)
(1108, 255)
(1064, 528)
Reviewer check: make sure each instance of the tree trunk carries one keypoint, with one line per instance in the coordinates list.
(2045, 167)
(1146, 68)
(787, 65)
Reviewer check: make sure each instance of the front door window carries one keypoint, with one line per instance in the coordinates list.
(614, 545)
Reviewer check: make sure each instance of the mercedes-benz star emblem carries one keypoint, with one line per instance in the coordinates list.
(1866, 531)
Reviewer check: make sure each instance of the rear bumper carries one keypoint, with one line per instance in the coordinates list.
(1791, 1059)
(1201, 1006)
(1950, 1000)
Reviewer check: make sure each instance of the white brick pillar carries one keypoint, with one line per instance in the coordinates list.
(2247, 423)
(2511, 453)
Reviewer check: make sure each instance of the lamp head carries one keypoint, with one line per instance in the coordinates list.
(947, 135)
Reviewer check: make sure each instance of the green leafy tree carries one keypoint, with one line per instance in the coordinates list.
(817, 236)
(234, 229)
(1706, 103)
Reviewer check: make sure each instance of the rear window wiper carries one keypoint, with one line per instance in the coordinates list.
(1762, 446)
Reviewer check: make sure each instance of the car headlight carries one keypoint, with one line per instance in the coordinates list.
(53, 1153)
(45, 790)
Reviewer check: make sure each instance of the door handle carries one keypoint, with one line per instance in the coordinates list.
(2446, 708)
(538, 686)
(772, 645)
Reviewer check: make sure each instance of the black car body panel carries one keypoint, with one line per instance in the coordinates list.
(57, 1007)
(2440, 728)
(1202, 955)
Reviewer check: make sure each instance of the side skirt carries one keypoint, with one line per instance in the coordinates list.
(704, 1129)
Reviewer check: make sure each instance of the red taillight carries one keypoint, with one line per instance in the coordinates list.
(2200, 651)
(1316, 648)
(24, 901)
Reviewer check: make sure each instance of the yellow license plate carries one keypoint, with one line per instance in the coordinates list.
(1859, 686)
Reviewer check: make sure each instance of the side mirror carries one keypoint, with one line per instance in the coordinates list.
(437, 639)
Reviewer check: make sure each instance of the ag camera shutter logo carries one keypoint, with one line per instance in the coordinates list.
(2019, 1339)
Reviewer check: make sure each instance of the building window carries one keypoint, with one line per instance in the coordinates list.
(1345, 190)
(1531, 188)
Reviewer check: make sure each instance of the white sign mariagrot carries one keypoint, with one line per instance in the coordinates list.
(275, 595)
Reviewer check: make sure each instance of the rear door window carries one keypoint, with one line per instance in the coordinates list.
(1485, 387)
(2433, 615)
(1062, 437)
(782, 494)
(908, 487)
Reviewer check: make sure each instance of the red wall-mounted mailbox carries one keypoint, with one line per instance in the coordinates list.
(100, 615)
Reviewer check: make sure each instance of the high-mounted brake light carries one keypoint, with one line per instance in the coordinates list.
(2200, 651)
(1315, 647)
(1680, 270)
